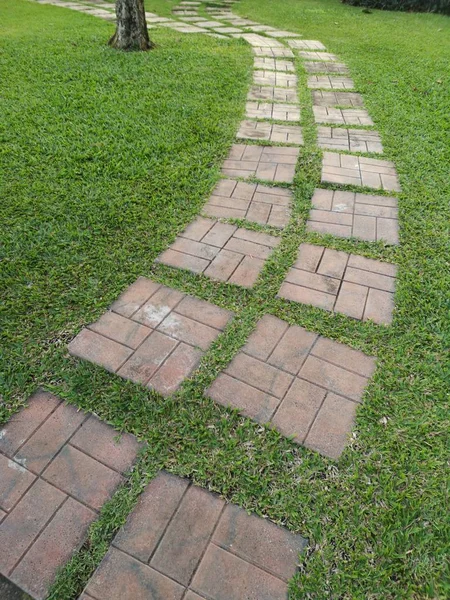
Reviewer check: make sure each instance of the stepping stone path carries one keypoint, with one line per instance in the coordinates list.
(153, 556)
(58, 466)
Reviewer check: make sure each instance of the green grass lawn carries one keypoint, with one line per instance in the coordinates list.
(106, 156)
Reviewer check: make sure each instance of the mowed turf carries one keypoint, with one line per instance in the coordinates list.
(107, 156)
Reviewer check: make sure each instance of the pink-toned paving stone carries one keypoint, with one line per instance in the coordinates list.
(321, 98)
(221, 251)
(328, 82)
(353, 140)
(251, 201)
(273, 94)
(269, 110)
(274, 64)
(305, 385)
(46, 514)
(271, 163)
(350, 214)
(359, 170)
(184, 542)
(341, 116)
(153, 334)
(358, 287)
(325, 67)
(270, 132)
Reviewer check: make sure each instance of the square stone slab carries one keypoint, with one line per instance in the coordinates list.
(259, 130)
(359, 170)
(271, 163)
(274, 78)
(325, 67)
(182, 542)
(305, 385)
(330, 83)
(57, 468)
(273, 94)
(152, 334)
(275, 52)
(251, 201)
(282, 34)
(352, 99)
(259, 41)
(325, 56)
(341, 116)
(353, 140)
(278, 112)
(306, 44)
(348, 214)
(221, 251)
(274, 64)
(358, 287)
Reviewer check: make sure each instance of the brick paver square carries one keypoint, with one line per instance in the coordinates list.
(221, 251)
(209, 24)
(275, 52)
(273, 94)
(321, 98)
(192, 545)
(306, 44)
(42, 524)
(275, 78)
(315, 56)
(274, 64)
(271, 163)
(359, 170)
(227, 30)
(358, 287)
(282, 34)
(270, 132)
(341, 116)
(328, 82)
(251, 201)
(258, 41)
(349, 214)
(353, 140)
(266, 110)
(293, 378)
(325, 67)
(174, 329)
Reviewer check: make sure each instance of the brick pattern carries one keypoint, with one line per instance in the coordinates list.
(274, 52)
(221, 251)
(315, 56)
(305, 385)
(325, 67)
(254, 202)
(278, 112)
(353, 140)
(361, 288)
(58, 466)
(153, 334)
(270, 163)
(282, 34)
(274, 64)
(349, 214)
(341, 116)
(330, 83)
(274, 78)
(182, 542)
(352, 99)
(306, 44)
(270, 132)
(359, 170)
(273, 94)
(259, 41)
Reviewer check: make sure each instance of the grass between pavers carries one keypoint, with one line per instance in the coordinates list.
(94, 195)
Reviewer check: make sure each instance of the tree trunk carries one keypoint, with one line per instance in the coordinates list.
(131, 30)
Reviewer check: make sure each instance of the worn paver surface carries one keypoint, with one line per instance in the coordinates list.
(359, 170)
(274, 64)
(268, 110)
(321, 98)
(356, 286)
(274, 78)
(273, 94)
(352, 140)
(341, 116)
(58, 466)
(349, 214)
(325, 67)
(306, 44)
(275, 52)
(328, 82)
(182, 542)
(307, 386)
(271, 163)
(153, 334)
(270, 132)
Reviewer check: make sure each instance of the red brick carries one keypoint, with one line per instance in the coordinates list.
(205, 312)
(248, 400)
(183, 261)
(193, 596)
(24, 423)
(333, 378)
(343, 356)
(186, 330)
(199, 249)
(156, 506)
(247, 272)
(351, 300)
(54, 547)
(259, 541)
(298, 409)
(148, 358)
(158, 307)
(321, 283)
(223, 265)
(95, 348)
(309, 257)
(267, 334)
(82, 477)
(379, 307)
(14, 482)
(219, 234)
(257, 237)
(187, 536)
(135, 296)
(223, 576)
(332, 426)
(292, 349)
(120, 576)
(260, 375)
(2, 515)
(180, 364)
(374, 266)
(197, 229)
(50, 437)
(26, 521)
(99, 440)
(333, 263)
(250, 248)
(373, 280)
(122, 330)
(304, 295)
